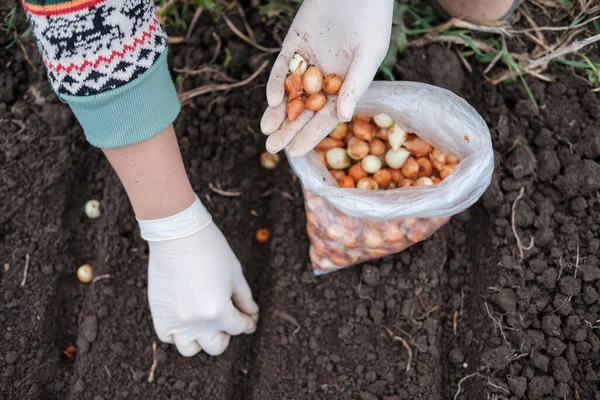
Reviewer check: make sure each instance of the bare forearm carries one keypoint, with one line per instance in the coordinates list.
(153, 175)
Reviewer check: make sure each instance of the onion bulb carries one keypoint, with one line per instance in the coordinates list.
(382, 133)
(332, 83)
(367, 184)
(425, 168)
(363, 130)
(377, 147)
(337, 174)
(396, 174)
(452, 159)
(268, 160)
(294, 109)
(406, 182)
(438, 159)
(315, 102)
(446, 171)
(337, 158)
(357, 148)
(340, 131)
(92, 209)
(383, 120)
(329, 143)
(346, 182)
(312, 80)
(418, 147)
(371, 164)
(383, 177)
(85, 273)
(396, 158)
(424, 181)
(435, 180)
(262, 235)
(357, 172)
(298, 60)
(410, 169)
(293, 84)
(396, 136)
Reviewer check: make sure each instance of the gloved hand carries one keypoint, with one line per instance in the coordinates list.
(197, 292)
(349, 38)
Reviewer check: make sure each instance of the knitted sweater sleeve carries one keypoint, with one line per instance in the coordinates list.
(108, 60)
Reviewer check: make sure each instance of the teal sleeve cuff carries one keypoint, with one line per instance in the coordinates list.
(131, 113)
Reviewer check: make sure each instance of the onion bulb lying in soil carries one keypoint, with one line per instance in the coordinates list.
(92, 209)
(85, 273)
(375, 153)
(262, 235)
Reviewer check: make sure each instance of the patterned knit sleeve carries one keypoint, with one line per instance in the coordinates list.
(108, 60)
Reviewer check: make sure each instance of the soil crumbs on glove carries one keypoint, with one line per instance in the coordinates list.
(478, 319)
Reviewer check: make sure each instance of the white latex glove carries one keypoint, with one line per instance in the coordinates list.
(197, 292)
(349, 38)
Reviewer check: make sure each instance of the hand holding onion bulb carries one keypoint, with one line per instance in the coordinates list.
(304, 85)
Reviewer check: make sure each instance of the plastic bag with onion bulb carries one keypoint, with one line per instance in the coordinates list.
(347, 226)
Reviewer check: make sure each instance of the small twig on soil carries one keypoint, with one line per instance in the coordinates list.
(499, 323)
(217, 48)
(132, 372)
(406, 346)
(195, 19)
(565, 301)
(541, 63)
(246, 39)
(504, 30)
(462, 301)
(154, 364)
(493, 63)
(411, 340)
(222, 192)
(464, 379)
(21, 125)
(100, 277)
(203, 69)
(464, 62)
(455, 322)
(107, 372)
(576, 261)
(514, 228)
(24, 50)
(590, 325)
(497, 387)
(25, 269)
(17, 384)
(558, 28)
(287, 317)
(185, 96)
(249, 30)
(275, 190)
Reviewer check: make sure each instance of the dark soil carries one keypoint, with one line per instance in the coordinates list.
(467, 305)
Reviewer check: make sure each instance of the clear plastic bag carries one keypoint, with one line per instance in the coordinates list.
(348, 226)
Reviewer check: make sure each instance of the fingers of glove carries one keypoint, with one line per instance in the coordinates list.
(362, 71)
(242, 295)
(186, 348)
(214, 345)
(163, 337)
(316, 129)
(234, 322)
(286, 132)
(275, 84)
(273, 118)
